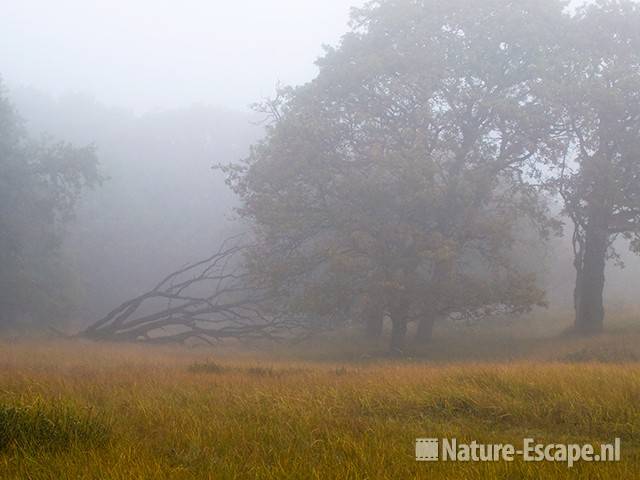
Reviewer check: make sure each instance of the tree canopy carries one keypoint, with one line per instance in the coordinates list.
(396, 181)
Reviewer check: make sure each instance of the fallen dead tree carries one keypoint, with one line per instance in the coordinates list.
(208, 300)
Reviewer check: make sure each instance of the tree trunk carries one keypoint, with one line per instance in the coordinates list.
(398, 335)
(579, 257)
(590, 287)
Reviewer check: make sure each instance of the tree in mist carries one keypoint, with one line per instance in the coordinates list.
(40, 182)
(597, 90)
(394, 183)
(162, 205)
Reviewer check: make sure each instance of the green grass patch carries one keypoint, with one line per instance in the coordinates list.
(207, 367)
(39, 426)
(251, 371)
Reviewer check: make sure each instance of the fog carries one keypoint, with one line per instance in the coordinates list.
(145, 54)
(163, 91)
(300, 238)
(161, 205)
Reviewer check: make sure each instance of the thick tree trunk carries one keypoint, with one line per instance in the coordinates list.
(590, 278)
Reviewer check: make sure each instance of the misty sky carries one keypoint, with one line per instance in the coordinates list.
(153, 54)
(148, 54)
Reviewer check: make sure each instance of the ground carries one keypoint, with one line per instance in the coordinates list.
(81, 410)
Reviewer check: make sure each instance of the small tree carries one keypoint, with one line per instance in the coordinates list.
(398, 176)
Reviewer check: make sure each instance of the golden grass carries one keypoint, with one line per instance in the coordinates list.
(179, 413)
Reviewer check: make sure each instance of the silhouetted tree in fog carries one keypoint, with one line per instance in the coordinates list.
(394, 181)
(39, 185)
(162, 205)
(596, 87)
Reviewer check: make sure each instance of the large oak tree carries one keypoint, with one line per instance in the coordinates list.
(596, 88)
(397, 179)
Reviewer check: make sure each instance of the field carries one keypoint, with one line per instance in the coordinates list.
(81, 410)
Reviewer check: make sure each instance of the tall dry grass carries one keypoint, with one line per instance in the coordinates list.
(81, 410)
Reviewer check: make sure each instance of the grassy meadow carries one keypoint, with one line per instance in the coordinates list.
(70, 409)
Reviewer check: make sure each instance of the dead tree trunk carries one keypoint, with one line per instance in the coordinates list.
(207, 300)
